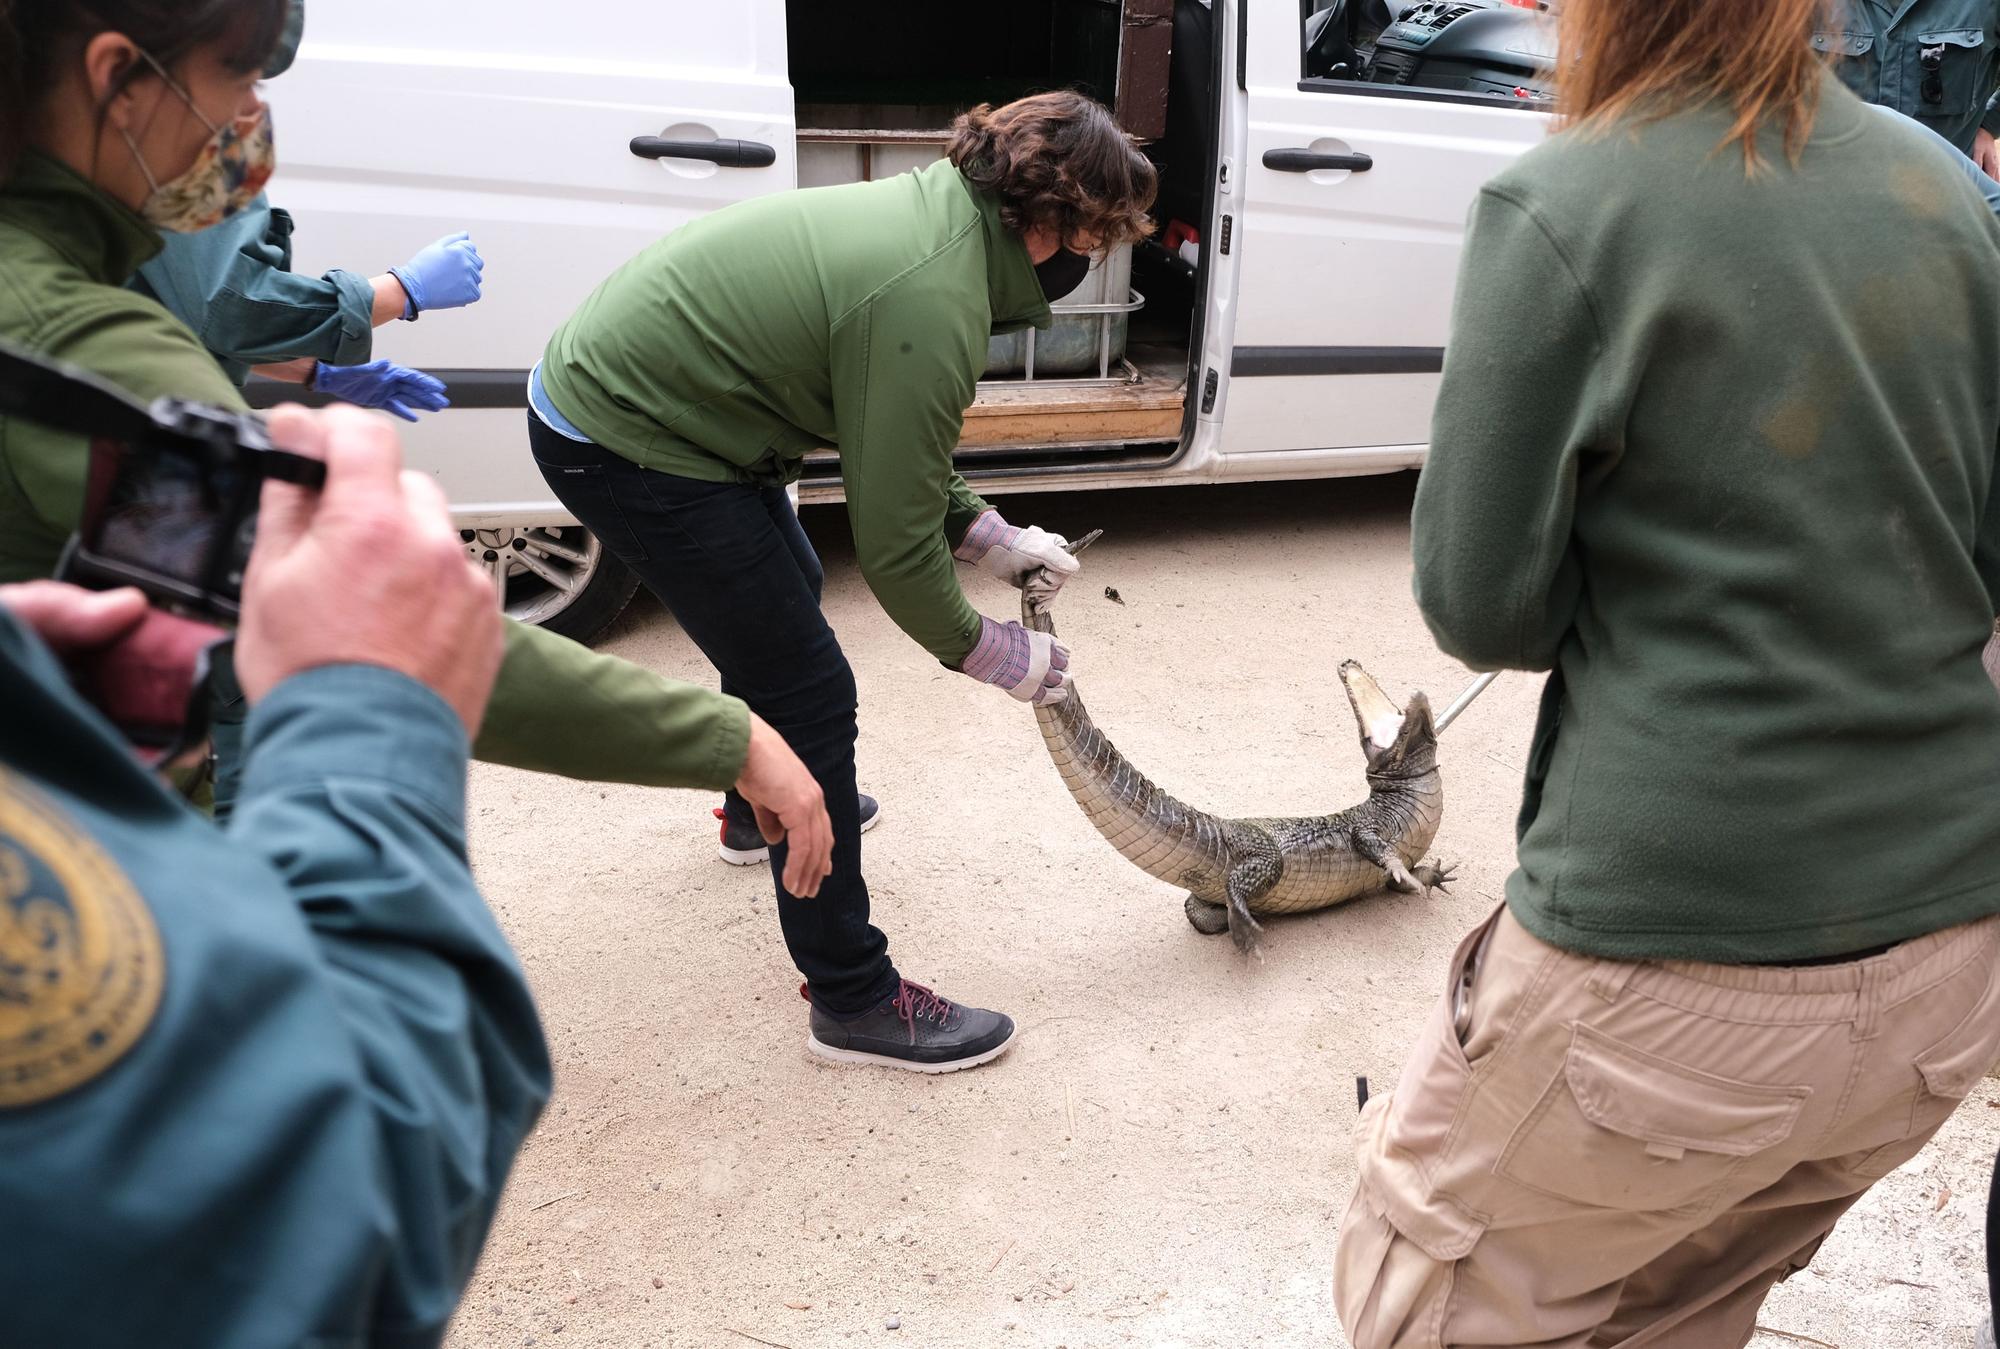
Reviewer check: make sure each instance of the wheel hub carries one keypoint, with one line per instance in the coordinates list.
(536, 570)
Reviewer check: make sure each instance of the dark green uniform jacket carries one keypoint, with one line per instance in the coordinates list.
(1935, 60)
(855, 317)
(261, 1088)
(234, 286)
(65, 249)
(1735, 487)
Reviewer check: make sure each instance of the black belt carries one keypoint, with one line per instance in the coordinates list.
(1850, 957)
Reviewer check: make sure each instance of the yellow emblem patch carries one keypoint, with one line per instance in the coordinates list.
(81, 967)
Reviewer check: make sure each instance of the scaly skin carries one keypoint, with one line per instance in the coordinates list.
(1233, 869)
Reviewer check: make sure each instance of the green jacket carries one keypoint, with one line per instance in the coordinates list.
(65, 252)
(1935, 60)
(268, 1084)
(1735, 487)
(855, 317)
(233, 284)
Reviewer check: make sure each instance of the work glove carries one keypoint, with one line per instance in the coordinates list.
(382, 384)
(443, 276)
(1028, 559)
(1032, 666)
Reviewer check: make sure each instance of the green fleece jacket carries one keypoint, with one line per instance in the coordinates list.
(855, 317)
(1719, 451)
(66, 251)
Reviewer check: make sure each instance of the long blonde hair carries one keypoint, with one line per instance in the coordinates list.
(1647, 58)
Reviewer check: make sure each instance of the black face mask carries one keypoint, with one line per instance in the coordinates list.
(1061, 273)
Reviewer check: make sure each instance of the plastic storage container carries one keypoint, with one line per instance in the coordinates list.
(1086, 341)
(1087, 338)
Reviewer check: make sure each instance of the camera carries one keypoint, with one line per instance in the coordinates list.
(170, 501)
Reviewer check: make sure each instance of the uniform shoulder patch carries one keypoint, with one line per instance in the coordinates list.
(81, 965)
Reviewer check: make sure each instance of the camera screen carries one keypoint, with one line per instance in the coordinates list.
(164, 512)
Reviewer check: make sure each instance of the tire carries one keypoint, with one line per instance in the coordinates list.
(554, 576)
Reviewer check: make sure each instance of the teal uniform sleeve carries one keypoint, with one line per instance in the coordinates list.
(355, 796)
(901, 395)
(301, 1056)
(1497, 578)
(233, 286)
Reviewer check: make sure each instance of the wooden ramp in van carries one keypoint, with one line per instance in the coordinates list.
(1049, 413)
(1018, 425)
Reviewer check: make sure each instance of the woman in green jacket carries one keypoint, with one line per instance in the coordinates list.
(1736, 494)
(95, 161)
(672, 409)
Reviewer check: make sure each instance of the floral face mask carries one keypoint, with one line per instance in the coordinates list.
(226, 175)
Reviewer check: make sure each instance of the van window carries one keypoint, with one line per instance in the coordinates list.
(1481, 50)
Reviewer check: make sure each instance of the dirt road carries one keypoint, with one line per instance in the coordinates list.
(1162, 1159)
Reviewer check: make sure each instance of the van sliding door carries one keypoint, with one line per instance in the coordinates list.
(565, 137)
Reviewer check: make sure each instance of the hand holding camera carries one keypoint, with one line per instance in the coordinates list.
(367, 570)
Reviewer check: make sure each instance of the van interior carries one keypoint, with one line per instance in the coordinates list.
(877, 84)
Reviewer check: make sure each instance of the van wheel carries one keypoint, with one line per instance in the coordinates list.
(555, 576)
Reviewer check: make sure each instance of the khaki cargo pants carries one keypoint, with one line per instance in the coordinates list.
(1633, 1154)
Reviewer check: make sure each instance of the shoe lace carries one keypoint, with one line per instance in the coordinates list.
(916, 1003)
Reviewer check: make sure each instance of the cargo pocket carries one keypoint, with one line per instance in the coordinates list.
(1621, 1128)
(1946, 1074)
(1945, 67)
(1387, 1289)
(1402, 1138)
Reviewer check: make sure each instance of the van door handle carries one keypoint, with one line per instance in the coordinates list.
(1295, 160)
(729, 154)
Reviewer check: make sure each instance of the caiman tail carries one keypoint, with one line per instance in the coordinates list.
(1163, 837)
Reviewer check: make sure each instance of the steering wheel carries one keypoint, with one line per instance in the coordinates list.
(1330, 50)
(1334, 36)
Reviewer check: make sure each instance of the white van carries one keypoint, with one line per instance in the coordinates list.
(1321, 155)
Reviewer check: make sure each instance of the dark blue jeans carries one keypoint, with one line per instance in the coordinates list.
(735, 569)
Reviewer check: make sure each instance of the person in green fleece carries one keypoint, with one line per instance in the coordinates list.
(167, 133)
(1736, 494)
(672, 409)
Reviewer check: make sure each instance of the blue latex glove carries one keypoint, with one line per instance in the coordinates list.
(382, 384)
(444, 276)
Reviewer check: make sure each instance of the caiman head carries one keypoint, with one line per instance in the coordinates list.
(1400, 742)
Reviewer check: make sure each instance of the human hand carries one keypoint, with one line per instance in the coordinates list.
(71, 619)
(789, 806)
(1986, 153)
(1032, 666)
(385, 385)
(1015, 555)
(446, 275)
(366, 571)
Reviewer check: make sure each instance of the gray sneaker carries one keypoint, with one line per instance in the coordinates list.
(743, 846)
(916, 1029)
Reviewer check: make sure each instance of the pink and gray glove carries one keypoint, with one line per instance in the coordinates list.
(1028, 559)
(1032, 666)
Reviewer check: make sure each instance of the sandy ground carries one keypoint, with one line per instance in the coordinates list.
(1163, 1157)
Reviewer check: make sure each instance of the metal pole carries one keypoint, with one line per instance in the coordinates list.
(1464, 700)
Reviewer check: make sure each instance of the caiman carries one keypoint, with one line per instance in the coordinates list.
(1236, 869)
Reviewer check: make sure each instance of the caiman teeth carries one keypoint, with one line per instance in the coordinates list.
(1378, 718)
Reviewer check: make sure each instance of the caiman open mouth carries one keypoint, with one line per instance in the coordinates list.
(1378, 718)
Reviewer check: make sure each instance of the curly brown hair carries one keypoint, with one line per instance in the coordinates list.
(1057, 160)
